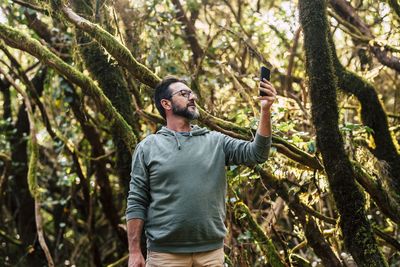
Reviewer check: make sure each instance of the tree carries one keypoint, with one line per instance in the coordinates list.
(88, 70)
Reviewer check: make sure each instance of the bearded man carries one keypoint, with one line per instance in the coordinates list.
(178, 181)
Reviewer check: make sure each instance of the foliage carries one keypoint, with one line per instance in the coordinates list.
(236, 38)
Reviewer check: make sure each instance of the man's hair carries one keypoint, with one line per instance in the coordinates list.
(162, 91)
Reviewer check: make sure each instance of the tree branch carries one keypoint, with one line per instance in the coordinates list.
(395, 5)
(372, 114)
(243, 214)
(314, 236)
(21, 41)
(115, 48)
(386, 203)
(33, 7)
(190, 32)
(348, 13)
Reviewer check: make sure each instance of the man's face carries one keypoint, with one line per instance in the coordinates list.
(183, 101)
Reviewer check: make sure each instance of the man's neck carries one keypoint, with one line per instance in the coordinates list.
(179, 125)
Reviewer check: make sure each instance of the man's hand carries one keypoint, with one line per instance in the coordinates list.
(134, 228)
(268, 100)
(136, 259)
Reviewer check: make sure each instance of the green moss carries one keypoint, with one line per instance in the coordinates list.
(21, 41)
(372, 114)
(387, 203)
(349, 200)
(32, 168)
(115, 48)
(242, 212)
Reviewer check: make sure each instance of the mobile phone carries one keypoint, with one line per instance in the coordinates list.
(265, 74)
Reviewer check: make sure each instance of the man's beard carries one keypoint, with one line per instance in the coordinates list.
(185, 112)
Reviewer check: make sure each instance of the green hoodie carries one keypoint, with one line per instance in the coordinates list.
(178, 186)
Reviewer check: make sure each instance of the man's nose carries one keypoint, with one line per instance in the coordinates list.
(193, 96)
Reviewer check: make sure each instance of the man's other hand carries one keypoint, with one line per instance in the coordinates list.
(136, 259)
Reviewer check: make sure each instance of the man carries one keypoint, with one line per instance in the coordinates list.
(178, 182)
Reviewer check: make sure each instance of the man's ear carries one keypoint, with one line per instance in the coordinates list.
(166, 104)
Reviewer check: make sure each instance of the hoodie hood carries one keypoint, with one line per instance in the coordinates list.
(195, 131)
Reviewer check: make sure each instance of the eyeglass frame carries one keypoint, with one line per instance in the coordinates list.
(185, 91)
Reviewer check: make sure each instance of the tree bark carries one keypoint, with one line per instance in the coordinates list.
(350, 202)
(111, 80)
(372, 115)
(190, 32)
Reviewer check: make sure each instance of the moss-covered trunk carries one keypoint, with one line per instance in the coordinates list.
(372, 112)
(111, 80)
(350, 202)
(101, 173)
(373, 116)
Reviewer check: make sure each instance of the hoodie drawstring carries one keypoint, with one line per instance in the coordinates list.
(177, 141)
(195, 131)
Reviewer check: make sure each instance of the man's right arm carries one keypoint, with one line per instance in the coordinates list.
(134, 229)
(137, 203)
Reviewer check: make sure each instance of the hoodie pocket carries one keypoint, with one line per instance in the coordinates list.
(189, 230)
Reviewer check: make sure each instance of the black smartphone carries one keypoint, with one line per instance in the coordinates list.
(265, 74)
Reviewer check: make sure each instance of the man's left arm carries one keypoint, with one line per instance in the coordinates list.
(264, 126)
(244, 152)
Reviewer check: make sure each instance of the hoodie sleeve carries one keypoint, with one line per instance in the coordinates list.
(245, 152)
(138, 196)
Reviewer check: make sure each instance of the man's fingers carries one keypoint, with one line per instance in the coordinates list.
(269, 91)
(266, 98)
(266, 81)
(264, 84)
(267, 86)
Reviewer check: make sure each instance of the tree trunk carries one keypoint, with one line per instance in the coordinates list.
(350, 201)
(111, 80)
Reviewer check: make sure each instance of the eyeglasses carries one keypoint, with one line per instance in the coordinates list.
(184, 93)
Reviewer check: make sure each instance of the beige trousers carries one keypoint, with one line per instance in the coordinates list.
(213, 258)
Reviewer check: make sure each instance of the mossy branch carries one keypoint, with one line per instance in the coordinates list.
(120, 262)
(386, 203)
(387, 238)
(242, 213)
(113, 46)
(315, 237)
(17, 39)
(10, 239)
(372, 114)
(281, 145)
